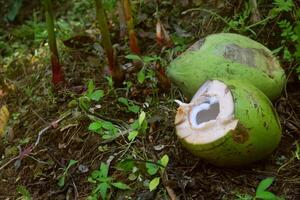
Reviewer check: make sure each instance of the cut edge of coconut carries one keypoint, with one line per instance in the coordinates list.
(209, 116)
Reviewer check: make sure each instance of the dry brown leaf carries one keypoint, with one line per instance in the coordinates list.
(4, 116)
(2, 93)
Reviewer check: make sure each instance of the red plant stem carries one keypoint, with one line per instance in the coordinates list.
(133, 42)
(116, 72)
(164, 81)
(57, 73)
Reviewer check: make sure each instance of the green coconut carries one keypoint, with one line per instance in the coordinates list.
(228, 123)
(229, 56)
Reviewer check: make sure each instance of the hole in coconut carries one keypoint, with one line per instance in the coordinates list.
(206, 111)
(207, 115)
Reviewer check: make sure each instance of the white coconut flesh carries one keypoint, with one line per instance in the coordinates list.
(209, 116)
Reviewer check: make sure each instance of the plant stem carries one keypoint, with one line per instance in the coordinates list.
(116, 72)
(255, 15)
(133, 42)
(57, 74)
(122, 20)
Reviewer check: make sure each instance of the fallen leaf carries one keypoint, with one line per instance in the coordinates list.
(2, 93)
(4, 116)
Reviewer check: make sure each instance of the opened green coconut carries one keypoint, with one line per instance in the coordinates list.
(229, 56)
(228, 123)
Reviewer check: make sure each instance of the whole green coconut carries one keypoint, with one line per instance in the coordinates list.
(229, 56)
(228, 123)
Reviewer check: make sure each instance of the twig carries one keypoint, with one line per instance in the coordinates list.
(208, 11)
(75, 189)
(116, 121)
(34, 112)
(53, 124)
(11, 160)
(28, 150)
(170, 191)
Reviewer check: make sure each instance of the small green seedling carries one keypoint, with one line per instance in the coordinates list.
(103, 183)
(131, 107)
(62, 177)
(110, 82)
(148, 168)
(262, 193)
(153, 168)
(146, 72)
(89, 96)
(104, 128)
(138, 126)
(22, 190)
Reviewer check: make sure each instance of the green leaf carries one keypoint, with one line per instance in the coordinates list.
(95, 174)
(95, 126)
(284, 5)
(108, 125)
(264, 184)
(121, 186)
(97, 95)
(152, 168)
(84, 102)
(142, 117)
(91, 87)
(148, 59)
(61, 181)
(133, 57)
(103, 170)
(135, 125)
(103, 189)
(132, 135)
(71, 163)
(125, 165)
(24, 192)
(91, 180)
(110, 81)
(108, 137)
(143, 127)
(134, 108)
(141, 76)
(164, 160)
(105, 179)
(266, 195)
(123, 101)
(154, 183)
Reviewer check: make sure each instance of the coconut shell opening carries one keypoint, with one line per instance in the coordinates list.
(209, 116)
